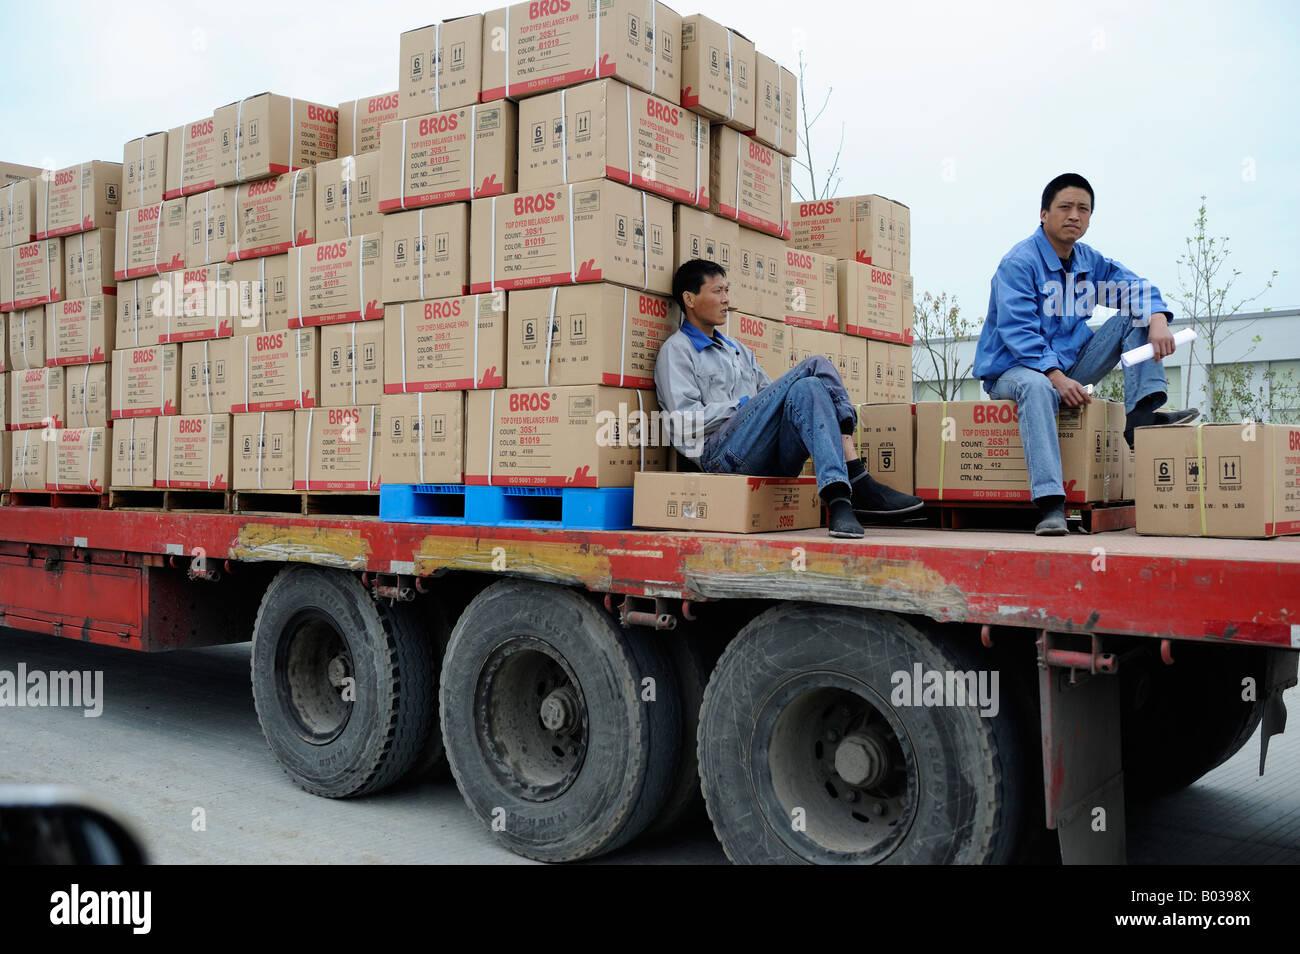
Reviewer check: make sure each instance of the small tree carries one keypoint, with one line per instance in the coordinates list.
(831, 183)
(938, 327)
(1204, 299)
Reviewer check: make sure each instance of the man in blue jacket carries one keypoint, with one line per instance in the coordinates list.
(1037, 349)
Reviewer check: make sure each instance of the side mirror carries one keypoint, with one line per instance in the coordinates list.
(58, 825)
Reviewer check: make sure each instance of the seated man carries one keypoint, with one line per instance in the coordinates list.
(1037, 349)
(728, 416)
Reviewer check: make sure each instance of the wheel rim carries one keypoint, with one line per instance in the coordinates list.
(830, 746)
(531, 719)
(315, 678)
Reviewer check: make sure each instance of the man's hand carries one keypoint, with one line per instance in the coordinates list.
(1160, 337)
(1071, 391)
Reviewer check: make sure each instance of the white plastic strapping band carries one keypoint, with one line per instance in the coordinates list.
(641, 418)
(632, 161)
(27, 436)
(207, 377)
(564, 137)
(85, 404)
(235, 230)
(293, 209)
(654, 46)
(473, 137)
(492, 431)
(307, 451)
(297, 265)
(356, 121)
(297, 347)
(352, 359)
(437, 63)
(492, 255)
(420, 247)
(573, 260)
(247, 338)
(622, 345)
(699, 146)
(239, 134)
(474, 383)
(509, 64)
(261, 430)
(419, 416)
(349, 177)
(81, 193)
(361, 273)
(210, 480)
(207, 211)
(370, 448)
(731, 81)
(401, 180)
(402, 341)
(645, 239)
(84, 291)
(550, 336)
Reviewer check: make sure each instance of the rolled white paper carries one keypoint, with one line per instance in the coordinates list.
(1147, 352)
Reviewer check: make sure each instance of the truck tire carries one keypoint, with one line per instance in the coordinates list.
(558, 740)
(319, 639)
(805, 757)
(692, 661)
(431, 763)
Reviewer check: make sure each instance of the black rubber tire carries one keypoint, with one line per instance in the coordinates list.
(631, 747)
(1185, 720)
(431, 763)
(964, 773)
(388, 721)
(693, 659)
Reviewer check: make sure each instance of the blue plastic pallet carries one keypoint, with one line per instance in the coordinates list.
(560, 508)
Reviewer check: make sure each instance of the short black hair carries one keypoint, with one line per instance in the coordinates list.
(690, 277)
(1065, 181)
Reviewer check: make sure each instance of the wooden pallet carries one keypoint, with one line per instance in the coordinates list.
(197, 501)
(137, 498)
(299, 503)
(1018, 515)
(25, 498)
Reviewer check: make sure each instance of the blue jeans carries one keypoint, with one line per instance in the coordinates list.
(772, 435)
(1038, 401)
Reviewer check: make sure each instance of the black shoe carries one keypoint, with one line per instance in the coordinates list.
(871, 498)
(840, 520)
(1144, 417)
(1177, 417)
(1053, 523)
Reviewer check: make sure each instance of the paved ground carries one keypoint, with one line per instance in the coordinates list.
(179, 733)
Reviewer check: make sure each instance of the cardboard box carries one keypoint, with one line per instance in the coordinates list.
(338, 281)
(889, 371)
(6, 458)
(31, 274)
(17, 213)
(28, 466)
(725, 503)
(146, 381)
(347, 197)
(360, 121)
(352, 364)
(88, 263)
(133, 462)
(450, 156)
(263, 457)
(761, 273)
(983, 458)
(273, 215)
(583, 436)
(900, 237)
(886, 443)
(78, 461)
(144, 171)
(80, 330)
(586, 232)
(606, 129)
(4, 401)
(203, 302)
(775, 105)
(848, 355)
(149, 240)
(748, 182)
(426, 254)
(768, 338)
(337, 448)
(263, 285)
(26, 333)
(206, 373)
(193, 452)
(14, 172)
(1129, 486)
(269, 135)
(857, 227)
(1218, 480)
(529, 48)
(698, 234)
(718, 72)
(440, 66)
(275, 371)
(871, 302)
(811, 291)
(209, 226)
(142, 306)
(424, 438)
(36, 399)
(191, 158)
(86, 399)
(445, 345)
(78, 199)
(599, 334)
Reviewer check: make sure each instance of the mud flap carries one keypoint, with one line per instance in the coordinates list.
(1281, 676)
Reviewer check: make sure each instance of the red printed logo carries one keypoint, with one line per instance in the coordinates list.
(881, 277)
(201, 129)
(529, 204)
(71, 435)
(439, 124)
(547, 8)
(654, 306)
(189, 425)
(321, 113)
(798, 259)
(263, 187)
(148, 214)
(383, 104)
(345, 415)
(333, 250)
(72, 307)
(996, 414)
(270, 342)
(816, 208)
(442, 309)
(144, 356)
(31, 376)
(760, 152)
(29, 251)
(751, 326)
(64, 178)
(661, 111)
(197, 275)
(537, 401)
(1294, 438)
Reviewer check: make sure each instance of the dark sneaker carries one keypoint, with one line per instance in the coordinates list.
(1177, 417)
(1053, 523)
(871, 498)
(841, 522)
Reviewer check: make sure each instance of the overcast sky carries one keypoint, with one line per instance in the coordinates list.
(961, 110)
